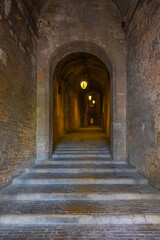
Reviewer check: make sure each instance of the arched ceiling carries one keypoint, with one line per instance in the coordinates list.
(123, 6)
(35, 7)
(78, 66)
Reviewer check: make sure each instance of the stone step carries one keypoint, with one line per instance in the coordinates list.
(75, 189)
(79, 186)
(83, 161)
(78, 196)
(79, 232)
(79, 192)
(80, 212)
(80, 178)
(78, 168)
(85, 146)
(77, 144)
(81, 155)
(80, 152)
(80, 147)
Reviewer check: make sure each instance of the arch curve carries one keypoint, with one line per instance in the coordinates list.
(45, 93)
(79, 46)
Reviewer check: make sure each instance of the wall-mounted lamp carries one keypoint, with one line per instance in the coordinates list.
(93, 101)
(89, 97)
(83, 84)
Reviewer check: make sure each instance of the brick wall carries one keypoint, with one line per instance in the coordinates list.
(17, 89)
(143, 90)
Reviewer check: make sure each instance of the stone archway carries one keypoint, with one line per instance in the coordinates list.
(45, 98)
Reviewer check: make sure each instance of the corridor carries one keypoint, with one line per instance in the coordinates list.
(79, 119)
(80, 193)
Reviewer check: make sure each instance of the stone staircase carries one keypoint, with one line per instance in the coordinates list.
(80, 186)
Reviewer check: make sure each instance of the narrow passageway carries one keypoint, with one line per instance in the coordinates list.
(87, 142)
(80, 191)
(80, 96)
(79, 120)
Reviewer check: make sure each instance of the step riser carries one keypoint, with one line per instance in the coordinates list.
(96, 162)
(74, 142)
(81, 152)
(64, 170)
(69, 148)
(76, 148)
(81, 146)
(81, 156)
(78, 219)
(83, 197)
(79, 181)
(80, 184)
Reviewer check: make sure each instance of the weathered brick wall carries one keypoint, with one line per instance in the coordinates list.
(17, 89)
(143, 90)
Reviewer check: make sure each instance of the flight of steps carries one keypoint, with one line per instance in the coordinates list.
(80, 185)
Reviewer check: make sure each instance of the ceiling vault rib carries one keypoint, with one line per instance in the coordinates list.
(25, 5)
(132, 15)
(118, 8)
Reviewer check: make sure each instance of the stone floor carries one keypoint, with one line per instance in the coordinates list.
(75, 232)
(81, 193)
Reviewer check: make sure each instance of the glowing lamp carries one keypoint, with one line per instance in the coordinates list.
(93, 101)
(89, 97)
(83, 84)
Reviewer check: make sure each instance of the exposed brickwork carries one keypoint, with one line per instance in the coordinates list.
(143, 88)
(17, 89)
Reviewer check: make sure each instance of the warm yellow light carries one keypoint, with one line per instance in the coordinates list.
(90, 97)
(93, 101)
(83, 84)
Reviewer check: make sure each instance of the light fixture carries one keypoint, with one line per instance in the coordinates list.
(93, 101)
(83, 84)
(89, 97)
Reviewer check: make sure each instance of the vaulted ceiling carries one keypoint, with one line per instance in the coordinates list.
(35, 7)
(83, 66)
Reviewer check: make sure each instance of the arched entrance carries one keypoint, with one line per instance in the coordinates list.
(75, 107)
(45, 98)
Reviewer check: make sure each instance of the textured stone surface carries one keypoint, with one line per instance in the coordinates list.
(71, 108)
(67, 27)
(17, 89)
(92, 232)
(81, 210)
(84, 26)
(143, 76)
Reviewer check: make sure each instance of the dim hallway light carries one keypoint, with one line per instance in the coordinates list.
(83, 84)
(90, 97)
